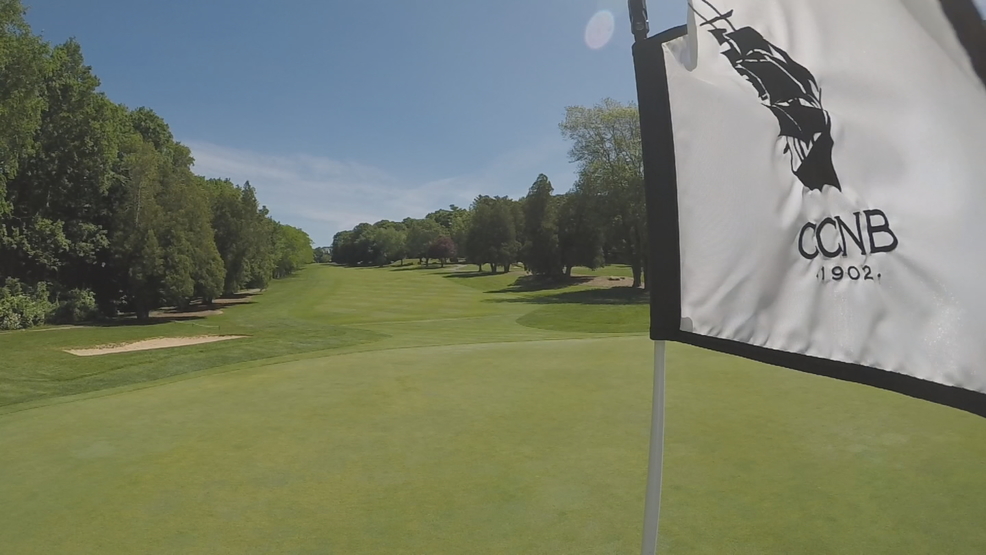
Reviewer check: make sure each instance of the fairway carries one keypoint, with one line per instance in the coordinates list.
(409, 410)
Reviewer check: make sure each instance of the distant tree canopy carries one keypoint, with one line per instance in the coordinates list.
(442, 249)
(100, 211)
(540, 253)
(606, 147)
(601, 220)
(323, 255)
(99, 207)
(420, 235)
(496, 232)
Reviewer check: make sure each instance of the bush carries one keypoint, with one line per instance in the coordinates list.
(78, 305)
(22, 306)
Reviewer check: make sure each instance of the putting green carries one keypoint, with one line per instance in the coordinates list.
(397, 411)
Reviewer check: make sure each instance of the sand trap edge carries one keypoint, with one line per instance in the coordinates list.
(151, 344)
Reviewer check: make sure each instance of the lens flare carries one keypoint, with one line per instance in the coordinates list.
(600, 29)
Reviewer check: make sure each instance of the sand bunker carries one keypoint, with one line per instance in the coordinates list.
(149, 344)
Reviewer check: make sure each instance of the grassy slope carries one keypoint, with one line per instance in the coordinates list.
(444, 426)
(281, 321)
(317, 310)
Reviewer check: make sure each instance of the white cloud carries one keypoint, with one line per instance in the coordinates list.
(323, 196)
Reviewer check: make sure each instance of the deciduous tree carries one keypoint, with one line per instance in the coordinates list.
(540, 252)
(442, 249)
(420, 235)
(606, 146)
(580, 233)
(492, 237)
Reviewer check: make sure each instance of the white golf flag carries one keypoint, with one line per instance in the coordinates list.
(828, 166)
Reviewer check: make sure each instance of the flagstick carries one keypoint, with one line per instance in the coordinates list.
(652, 503)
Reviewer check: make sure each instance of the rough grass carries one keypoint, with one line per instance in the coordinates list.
(434, 422)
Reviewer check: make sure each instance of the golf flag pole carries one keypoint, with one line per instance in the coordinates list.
(652, 502)
(640, 27)
(639, 24)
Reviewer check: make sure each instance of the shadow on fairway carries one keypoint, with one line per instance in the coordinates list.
(416, 268)
(610, 296)
(406, 268)
(530, 284)
(191, 313)
(467, 275)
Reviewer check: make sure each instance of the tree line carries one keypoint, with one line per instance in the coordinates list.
(100, 212)
(601, 220)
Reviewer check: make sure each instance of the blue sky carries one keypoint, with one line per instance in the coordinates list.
(347, 111)
(342, 111)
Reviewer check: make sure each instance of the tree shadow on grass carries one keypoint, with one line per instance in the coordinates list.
(235, 298)
(410, 268)
(392, 268)
(601, 296)
(467, 275)
(197, 311)
(530, 284)
(534, 284)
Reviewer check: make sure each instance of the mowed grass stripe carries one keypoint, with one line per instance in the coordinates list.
(405, 450)
(346, 454)
(322, 308)
(375, 295)
(468, 432)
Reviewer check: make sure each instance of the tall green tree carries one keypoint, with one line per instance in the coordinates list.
(459, 230)
(262, 240)
(580, 233)
(193, 267)
(137, 250)
(230, 229)
(164, 241)
(244, 236)
(479, 244)
(420, 235)
(343, 247)
(540, 252)
(455, 225)
(448, 218)
(96, 198)
(61, 208)
(606, 145)
(386, 244)
(23, 67)
(293, 250)
(492, 237)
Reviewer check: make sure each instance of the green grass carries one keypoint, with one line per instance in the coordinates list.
(428, 411)
(279, 323)
(616, 270)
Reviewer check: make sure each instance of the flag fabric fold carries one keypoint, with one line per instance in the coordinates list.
(816, 177)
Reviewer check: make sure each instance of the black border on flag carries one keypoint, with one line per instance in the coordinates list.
(968, 24)
(660, 176)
